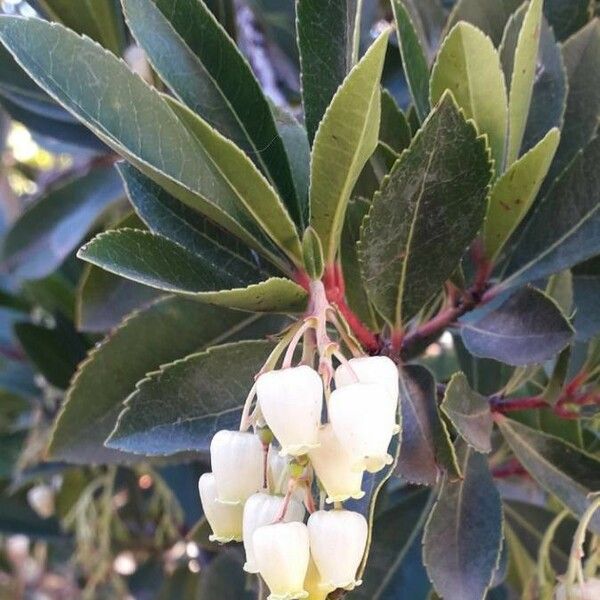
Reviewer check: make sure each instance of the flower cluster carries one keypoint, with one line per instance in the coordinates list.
(314, 429)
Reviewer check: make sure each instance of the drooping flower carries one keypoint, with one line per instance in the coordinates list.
(588, 590)
(225, 520)
(360, 415)
(314, 585)
(369, 369)
(282, 554)
(262, 509)
(335, 467)
(338, 539)
(237, 460)
(291, 401)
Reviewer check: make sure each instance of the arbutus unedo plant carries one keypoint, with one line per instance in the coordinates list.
(340, 285)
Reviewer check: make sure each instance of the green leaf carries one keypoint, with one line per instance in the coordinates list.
(581, 54)
(170, 329)
(224, 578)
(51, 229)
(469, 412)
(98, 19)
(126, 118)
(514, 193)
(586, 287)
(561, 469)
(313, 254)
(394, 130)
(157, 262)
(426, 451)
(568, 16)
(469, 66)
(563, 229)
(488, 15)
(346, 138)
(414, 59)
(326, 42)
(182, 405)
(186, 34)
(527, 328)
(429, 209)
(463, 536)
(18, 518)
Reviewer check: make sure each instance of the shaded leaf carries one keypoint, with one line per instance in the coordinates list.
(527, 328)
(224, 579)
(169, 329)
(181, 406)
(427, 212)
(17, 518)
(469, 66)
(49, 231)
(155, 261)
(346, 138)
(187, 34)
(414, 59)
(394, 130)
(514, 193)
(561, 469)
(425, 448)
(326, 43)
(567, 16)
(463, 536)
(469, 412)
(586, 287)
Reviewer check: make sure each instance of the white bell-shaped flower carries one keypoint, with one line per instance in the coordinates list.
(338, 539)
(278, 471)
(282, 554)
(588, 590)
(360, 416)
(369, 369)
(336, 467)
(314, 585)
(225, 520)
(237, 460)
(262, 509)
(291, 401)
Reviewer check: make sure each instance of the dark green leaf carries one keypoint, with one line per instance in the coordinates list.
(414, 59)
(527, 328)
(224, 579)
(181, 406)
(425, 450)
(586, 286)
(567, 16)
(346, 138)
(394, 130)
(561, 469)
(564, 229)
(17, 518)
(186, 34)
(312, 251)
(11, 446)
(326, 42)
(463, 536)
(170, 329)
(155, 261)
(48, 232)
(427, 212)
(469, 412)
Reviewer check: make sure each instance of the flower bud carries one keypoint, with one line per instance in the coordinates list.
(237, 460)
(41, 499)
(224, 519)
(335, 467)
(360, 416)
(262, 509)
(282, 554)
(338, 539)
(369, 369)
(291, 401)
(314, 585)
(588, 590)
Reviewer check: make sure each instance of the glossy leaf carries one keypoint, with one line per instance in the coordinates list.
(469, 412)
(586, 287)
(425, 448)
(522, 79)
(463, 536)
(427, 212)
(564, 228)
(527, 328)
(51, 229)
(182, 405)
(469, 66)
(414, 59)
(346, 138)
(561, 469)
(155, 261)
(230, 99)
(326, 43)
(514, 193)
(169, 329)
